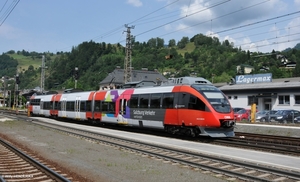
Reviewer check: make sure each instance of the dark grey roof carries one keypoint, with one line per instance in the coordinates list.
(117, 76)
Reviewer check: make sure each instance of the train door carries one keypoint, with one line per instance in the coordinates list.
(122, 112)
(182, 105)
(63, 107)
(77, 107)
(41, 107)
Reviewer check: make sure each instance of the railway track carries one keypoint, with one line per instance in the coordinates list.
(268, 143)
(16, 165)
(222, 167)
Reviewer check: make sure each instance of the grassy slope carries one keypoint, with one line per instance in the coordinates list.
(25, 61)
(188, 48)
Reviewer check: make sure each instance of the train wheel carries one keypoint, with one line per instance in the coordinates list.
(190, 132)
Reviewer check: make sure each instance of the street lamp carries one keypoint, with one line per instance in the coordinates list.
(76, 76)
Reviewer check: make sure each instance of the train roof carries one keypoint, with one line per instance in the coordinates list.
(187, 81)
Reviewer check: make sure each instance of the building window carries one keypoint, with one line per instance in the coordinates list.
(297, 99)
(284, 99)
(251, 100)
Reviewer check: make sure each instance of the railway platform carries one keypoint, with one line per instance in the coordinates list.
(258, 157)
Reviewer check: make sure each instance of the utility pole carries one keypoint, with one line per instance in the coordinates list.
(17, 81)
(127, 62)
(43, 74)
(5, 85)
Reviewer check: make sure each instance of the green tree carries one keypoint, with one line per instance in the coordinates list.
(172, 43)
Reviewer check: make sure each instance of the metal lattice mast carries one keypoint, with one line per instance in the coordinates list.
(43, 74)
(127, 62)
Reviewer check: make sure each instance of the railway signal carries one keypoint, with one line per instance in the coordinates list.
(17, 79)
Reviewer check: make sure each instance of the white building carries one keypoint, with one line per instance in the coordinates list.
(268, 94)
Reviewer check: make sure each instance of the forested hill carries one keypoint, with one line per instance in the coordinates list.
(200, 56)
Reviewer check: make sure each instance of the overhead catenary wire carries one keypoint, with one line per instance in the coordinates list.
(3, 6)
(222, 16)
(8, 12)
(118, 29)
(182, 17)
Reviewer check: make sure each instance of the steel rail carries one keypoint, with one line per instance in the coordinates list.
(49, 172)
(261, 168)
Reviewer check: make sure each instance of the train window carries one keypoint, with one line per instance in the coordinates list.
(144, 100)
(97, 106)
(133, 102)
(45, 105)
(196, 103)
(58, 105)
(70, 106)
(82, 106)
(35, 102)
(104, 106)
(88, 106)
(155, 100)
(168, 100)
(111, 107)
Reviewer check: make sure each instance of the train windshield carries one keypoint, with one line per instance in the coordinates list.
(216, 98)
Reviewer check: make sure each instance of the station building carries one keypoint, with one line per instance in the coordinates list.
(265, 92)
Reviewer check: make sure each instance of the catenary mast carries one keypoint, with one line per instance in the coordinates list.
(127, 62)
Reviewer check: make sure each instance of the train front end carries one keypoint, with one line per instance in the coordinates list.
(219, 117)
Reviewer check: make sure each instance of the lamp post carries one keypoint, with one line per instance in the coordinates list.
(76, 76)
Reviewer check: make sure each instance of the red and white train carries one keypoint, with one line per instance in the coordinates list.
(188, 105)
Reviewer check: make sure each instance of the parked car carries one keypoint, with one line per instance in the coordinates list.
(236, 109)
(284, 116)
(297, 120)
(242, 114)
(263, 116)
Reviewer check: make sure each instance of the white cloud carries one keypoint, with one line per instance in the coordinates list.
(135, 3)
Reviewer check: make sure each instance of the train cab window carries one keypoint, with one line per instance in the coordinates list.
(155, 100)
(196, 103)
(144, 100)
(35, 102)
(133, 102)
(168, 100)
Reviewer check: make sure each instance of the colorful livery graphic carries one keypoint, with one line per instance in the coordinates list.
(187, 105)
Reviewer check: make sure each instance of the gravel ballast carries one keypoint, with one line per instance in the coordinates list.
(87, 161)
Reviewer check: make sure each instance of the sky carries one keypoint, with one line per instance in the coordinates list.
(58, 25)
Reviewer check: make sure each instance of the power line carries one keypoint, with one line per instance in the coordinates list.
(117, 30)
(8, 12)
(222, 16)
(269, 19)
(183, 17)
(3, 6)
